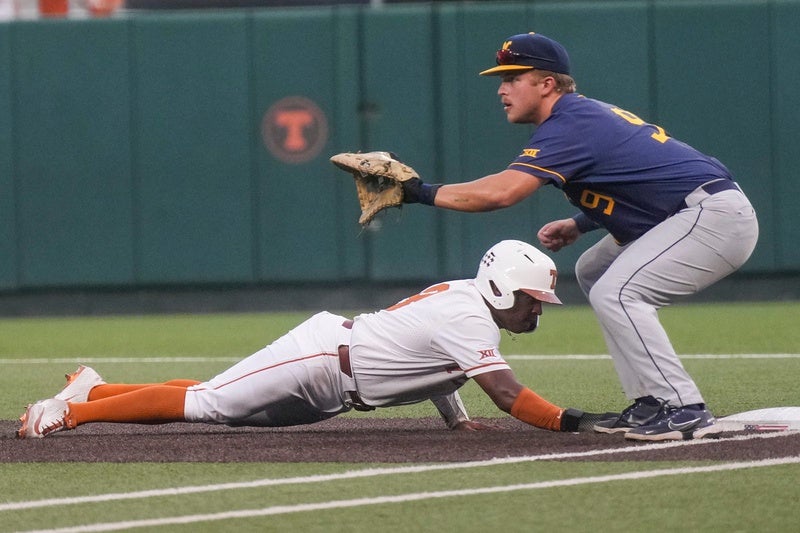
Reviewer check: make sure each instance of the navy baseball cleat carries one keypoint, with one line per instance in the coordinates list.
(677, 423)
(643, 411)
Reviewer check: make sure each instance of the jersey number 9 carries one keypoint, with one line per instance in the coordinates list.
(660, 135)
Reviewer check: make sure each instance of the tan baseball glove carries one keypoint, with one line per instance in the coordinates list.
(379, 178)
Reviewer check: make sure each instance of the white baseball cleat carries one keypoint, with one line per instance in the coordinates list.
(42, 418)
(79, 383)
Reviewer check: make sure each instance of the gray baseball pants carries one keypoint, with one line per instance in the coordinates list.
(627, 285)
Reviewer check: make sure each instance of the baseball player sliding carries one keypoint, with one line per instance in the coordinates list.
(422, 348)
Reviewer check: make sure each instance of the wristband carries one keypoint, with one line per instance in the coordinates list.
(416, 191)
(536, 411)
(427, 193)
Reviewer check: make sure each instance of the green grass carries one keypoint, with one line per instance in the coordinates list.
(720, 501)
(36, 352)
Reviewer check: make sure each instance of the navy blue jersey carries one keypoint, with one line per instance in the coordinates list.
(625, 174)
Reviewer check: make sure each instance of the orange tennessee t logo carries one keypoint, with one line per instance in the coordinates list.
(294, 122)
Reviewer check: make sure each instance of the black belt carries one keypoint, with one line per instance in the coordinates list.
(713, 187)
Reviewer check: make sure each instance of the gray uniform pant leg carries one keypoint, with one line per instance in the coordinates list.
(626, 285)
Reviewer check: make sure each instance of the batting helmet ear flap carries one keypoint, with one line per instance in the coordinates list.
(511, 265)
(497, 292)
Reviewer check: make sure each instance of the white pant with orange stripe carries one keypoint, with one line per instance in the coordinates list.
(295, 380)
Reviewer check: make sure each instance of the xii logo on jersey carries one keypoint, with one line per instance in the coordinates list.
(487, 354)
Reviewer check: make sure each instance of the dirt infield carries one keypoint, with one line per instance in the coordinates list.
(364, 440)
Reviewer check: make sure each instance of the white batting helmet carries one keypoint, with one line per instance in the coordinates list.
(509, 266)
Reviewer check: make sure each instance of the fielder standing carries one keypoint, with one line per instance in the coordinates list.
(677, 223)
(422, 348)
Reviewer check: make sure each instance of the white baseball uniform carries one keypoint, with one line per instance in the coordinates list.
(423, 348)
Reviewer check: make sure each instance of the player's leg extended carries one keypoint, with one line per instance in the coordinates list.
(114, 389)
(294, 380)
(155, 404)
(88, 398)
(686, 253)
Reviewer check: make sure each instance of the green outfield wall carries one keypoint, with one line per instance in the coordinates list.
(191, 147)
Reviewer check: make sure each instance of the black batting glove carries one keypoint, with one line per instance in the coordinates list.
(576, 420)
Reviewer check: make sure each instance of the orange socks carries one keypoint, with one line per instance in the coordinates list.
(535, 410)
(151, 404)
(113, 389)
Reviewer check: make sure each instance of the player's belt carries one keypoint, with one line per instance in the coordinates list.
(344, 353)
(344, 365)
(710, 188)
(344, 360)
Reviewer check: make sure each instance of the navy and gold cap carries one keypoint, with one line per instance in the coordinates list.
(528, 51)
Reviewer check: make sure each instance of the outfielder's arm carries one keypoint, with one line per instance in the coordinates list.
(495, 191)
(383, 181)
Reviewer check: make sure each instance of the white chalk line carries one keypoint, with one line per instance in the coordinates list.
(591, 357)
(360, 473)
(402, 498)
(368, 472)
(220, 359)
(112, 359)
